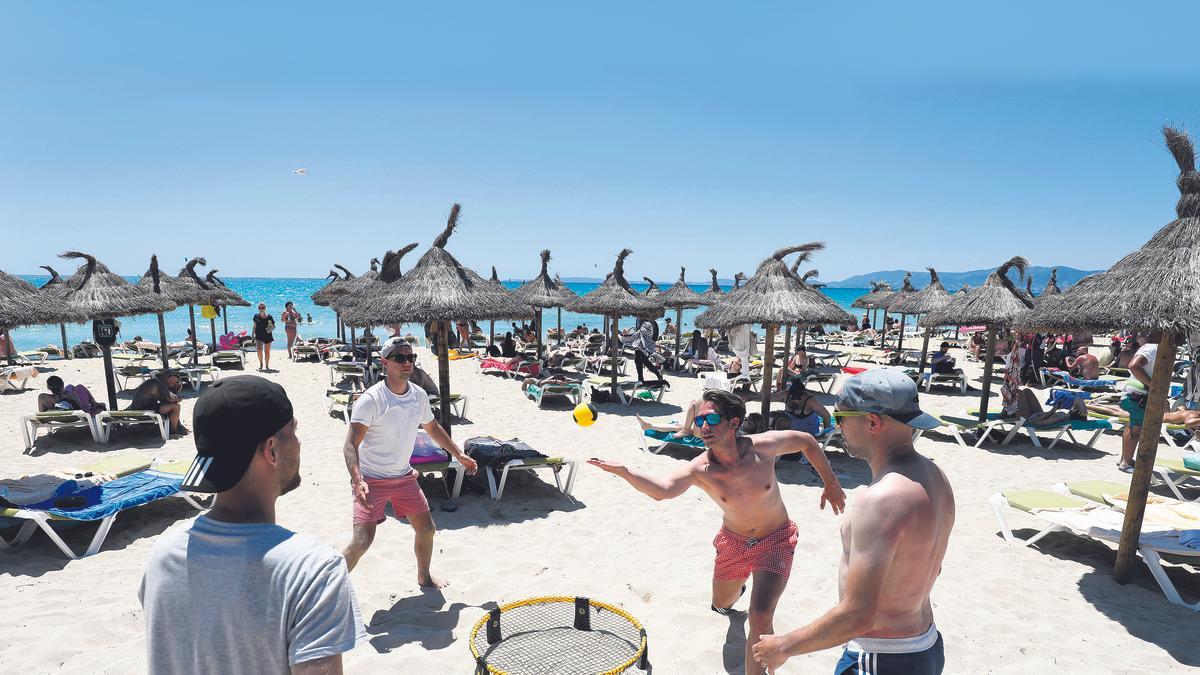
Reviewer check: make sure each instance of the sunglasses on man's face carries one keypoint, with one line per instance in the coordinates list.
(839, 415)
(711, 419)
(403, 358)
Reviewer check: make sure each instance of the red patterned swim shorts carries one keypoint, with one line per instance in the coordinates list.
(738, 556)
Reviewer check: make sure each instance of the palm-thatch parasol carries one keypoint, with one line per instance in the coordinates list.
(498, 286)
(652, 290)
(1153, 289)
(1029, 288)
(370, 284)
(231, 297)
(679, 296)
(1052, 285)
(202, 294)
(804, 257)
(331, 290)
(773, 296)
(923, 303)
(56, 280)
(614, 299)
(541, 292)
(996, 304)
(571, 295)
(19, 306)
(170, 288)
(906, 291)
(95, 293)
(714, 291)
(438, 289)
(877, 299)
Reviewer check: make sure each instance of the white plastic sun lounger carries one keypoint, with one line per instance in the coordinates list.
(108, 419)
(56, 419)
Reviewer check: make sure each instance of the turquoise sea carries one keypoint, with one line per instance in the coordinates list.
(275, 292)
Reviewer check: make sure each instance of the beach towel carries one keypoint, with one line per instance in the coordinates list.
(669, 437)
(493, 453)
(87, 402)
(104, 500)
(1088, 384)
(1192, 461)
(1060, 398)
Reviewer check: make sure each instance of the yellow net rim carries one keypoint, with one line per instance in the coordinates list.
(548, 599)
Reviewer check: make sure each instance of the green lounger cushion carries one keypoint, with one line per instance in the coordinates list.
(132, 414)
(59, 416)
(1033, 500)
(1177, 466)
(960, 422)
(1096, 489)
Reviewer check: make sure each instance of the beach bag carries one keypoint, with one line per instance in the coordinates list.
(425, 451)
(270, 325)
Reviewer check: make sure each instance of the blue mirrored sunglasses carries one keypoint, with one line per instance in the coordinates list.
(711, 419)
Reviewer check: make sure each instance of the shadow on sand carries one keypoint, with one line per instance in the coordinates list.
(422, 618)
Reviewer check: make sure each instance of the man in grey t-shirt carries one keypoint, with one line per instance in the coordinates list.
(234, 592)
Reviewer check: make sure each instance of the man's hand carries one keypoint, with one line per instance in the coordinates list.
(469, 464)
(769, 652)
(834, 496)
(360, 489)
(612, 467)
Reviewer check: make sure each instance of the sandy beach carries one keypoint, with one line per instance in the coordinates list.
(1000, 608)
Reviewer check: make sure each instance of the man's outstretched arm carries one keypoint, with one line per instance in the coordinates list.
(669, 486)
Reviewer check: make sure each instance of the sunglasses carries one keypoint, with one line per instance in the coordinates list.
(839, 415)
(403, 358)
(711, 419)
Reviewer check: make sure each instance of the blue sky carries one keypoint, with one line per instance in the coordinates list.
(705, 135)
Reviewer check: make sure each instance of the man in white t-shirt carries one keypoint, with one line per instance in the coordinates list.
(379, 445)
(234, 592)
(1141, 367)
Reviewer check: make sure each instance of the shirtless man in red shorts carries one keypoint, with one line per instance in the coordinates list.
(757, 538)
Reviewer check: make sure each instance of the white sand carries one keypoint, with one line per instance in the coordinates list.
(1000, 608)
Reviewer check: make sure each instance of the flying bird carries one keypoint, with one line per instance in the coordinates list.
(302, 172)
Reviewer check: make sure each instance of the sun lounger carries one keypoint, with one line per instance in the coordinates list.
(958, 380)
(1093, 490)
(305, 352)
(229, 359)
(1073, 383)
(34, 358)
(1118, 423)
(1175, 474)
(104, 503)
(106, 420)
(629, 391)
(510, 366)
(666, 438)
(1064, 513)
(961, 423)
(11, 375)
(1067, 428)
(458, 404)
(572, 391)
(56, 419)
(356, 371)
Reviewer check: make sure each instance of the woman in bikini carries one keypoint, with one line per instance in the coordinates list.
(290, 319)
(803, 412)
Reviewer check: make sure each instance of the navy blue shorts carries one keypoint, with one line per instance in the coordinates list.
(927, 662)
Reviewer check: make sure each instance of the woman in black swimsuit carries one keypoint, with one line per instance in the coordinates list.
(264, 326)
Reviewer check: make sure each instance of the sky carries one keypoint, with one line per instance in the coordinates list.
(698, 134)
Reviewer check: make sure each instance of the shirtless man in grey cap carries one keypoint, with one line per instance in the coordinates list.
(892, 544)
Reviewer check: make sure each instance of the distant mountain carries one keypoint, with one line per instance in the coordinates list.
(1067, 276)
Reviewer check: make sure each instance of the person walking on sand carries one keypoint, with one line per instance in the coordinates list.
(232, 592)
(893, 542)
(757, 538)
(264, 329)
(379, 445)
(291, 318)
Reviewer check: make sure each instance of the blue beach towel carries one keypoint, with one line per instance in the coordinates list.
(1063, 398)
(115, 496)
(1090, 384)
(666, 437)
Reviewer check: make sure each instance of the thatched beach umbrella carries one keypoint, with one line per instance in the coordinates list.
(230, 297)
(1052, 285)
(95, 293)
(652, 290)
(774, 296)
(906, 291)
(331, 290)
(1154, 289)
(570, 293)
(714, 291)
(19, 306)
(877, 299)
(996, 304)
(496, 285)
(55, 280)
(614, 299)
(438, 288)
(170, 288)
(202, 294)
(370, 284)
(541, 292)
(679, 296)
(924, 302)
(804, 257)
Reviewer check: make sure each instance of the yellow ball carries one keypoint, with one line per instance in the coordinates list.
(585, 414)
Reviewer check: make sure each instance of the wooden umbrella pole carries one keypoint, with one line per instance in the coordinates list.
(883, 330)
(367, 368)
(616, 353)
(1143, 466)
(803, 335)
(924, 351)
(538, 333)
(162, 341)
(491, 332)
(560, 333)
(787, 341)
(987, 374)
(353, 347)
(768, 362)
(109, 379)
(443, 358)
(900, 337)
(212, 324)
(66, 351)
(678, 333)
(195, 338)
(225, 318)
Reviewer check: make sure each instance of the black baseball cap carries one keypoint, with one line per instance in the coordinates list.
(232, 417)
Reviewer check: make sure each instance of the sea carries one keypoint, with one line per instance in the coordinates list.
(276, 291)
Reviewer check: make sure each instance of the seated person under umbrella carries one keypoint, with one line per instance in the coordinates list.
(160, 394)
(67, 397)
(802, 411)
(1083, 365)
(941, 363)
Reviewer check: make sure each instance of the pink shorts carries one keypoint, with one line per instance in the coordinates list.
(403, 492)
(739, 556)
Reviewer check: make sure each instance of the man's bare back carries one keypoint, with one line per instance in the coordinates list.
(915, 497)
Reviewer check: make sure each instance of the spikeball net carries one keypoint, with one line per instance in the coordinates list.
(558, 635)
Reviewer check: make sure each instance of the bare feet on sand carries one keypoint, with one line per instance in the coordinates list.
(432, 582)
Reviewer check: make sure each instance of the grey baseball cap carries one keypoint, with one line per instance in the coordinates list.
(886, 391)
(392, 345)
